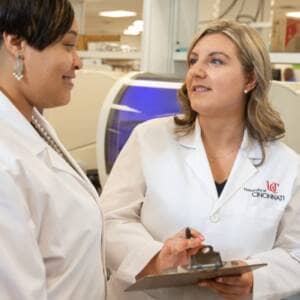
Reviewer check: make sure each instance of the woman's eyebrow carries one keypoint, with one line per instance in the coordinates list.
(211, 54)
(219, 53)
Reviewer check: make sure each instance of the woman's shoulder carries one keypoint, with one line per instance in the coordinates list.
(161, 125)
(283, 153)
(12, 146)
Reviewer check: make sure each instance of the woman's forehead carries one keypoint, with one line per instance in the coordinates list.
(216, 42)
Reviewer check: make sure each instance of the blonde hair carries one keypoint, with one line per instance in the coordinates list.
(262, 121)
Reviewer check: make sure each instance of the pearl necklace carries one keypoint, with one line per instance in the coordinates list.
(48, 139)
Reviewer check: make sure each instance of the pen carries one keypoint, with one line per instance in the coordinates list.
(188, 233)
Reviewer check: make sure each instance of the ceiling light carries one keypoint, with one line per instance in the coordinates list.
(130, 31)
(117, 13)
(139, 24)
(293, 14)
(135, 28)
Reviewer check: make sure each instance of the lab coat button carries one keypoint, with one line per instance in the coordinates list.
(215, 218)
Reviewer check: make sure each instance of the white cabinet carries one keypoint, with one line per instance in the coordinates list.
(110, 60)
(109, 55)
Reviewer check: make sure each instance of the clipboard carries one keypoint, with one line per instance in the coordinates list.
(185, 277)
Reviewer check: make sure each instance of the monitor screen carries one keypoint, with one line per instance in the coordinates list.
(134, 105)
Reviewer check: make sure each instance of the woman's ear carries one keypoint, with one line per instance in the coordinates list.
(14, 48)
(13, 44)
(250, 83)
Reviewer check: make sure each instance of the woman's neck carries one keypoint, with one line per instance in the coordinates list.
(18, 101)
(221, 136)
(222, 141)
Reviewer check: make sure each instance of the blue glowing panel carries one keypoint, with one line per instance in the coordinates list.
(136, 105)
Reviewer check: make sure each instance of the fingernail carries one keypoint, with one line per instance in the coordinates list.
(219, 279)
(203, 284)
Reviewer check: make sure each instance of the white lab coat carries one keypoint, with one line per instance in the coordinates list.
(50, 222)
(161, 183)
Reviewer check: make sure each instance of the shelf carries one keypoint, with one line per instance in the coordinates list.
(109, 55)
(278, 58)
(179, 56)
(261, 25)
(285, 58)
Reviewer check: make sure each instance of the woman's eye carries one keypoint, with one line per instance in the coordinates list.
(70, 46)
(192, 61)
(216, 61)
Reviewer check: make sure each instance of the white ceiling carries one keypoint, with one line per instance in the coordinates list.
(103, 25)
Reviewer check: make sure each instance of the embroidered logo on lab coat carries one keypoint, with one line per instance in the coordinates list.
(272, 187)
(270, 192)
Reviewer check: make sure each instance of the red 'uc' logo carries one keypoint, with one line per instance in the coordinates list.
(272, 186)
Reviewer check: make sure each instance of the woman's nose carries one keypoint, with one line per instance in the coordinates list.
(77, 61)
(198, 70)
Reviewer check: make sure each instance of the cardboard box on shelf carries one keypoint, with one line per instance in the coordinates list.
(84, 39)
(285, 34)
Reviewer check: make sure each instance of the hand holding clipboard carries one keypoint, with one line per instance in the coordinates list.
(206, 264)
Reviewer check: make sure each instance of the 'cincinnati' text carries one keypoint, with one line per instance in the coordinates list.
(262, 193)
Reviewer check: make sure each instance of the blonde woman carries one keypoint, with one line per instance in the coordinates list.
(218, 168)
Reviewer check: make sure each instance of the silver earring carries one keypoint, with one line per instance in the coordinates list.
(19, 67)
(245, 91)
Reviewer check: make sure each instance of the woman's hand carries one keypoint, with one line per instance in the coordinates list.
(175, 252)
(231, 288)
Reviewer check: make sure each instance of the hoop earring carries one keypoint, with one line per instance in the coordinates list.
(19, 67)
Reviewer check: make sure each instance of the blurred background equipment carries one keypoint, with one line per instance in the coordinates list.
(104, 109)
(134, 98)
(76, 122)
(154, 39)
(106, 106)
(285, 96)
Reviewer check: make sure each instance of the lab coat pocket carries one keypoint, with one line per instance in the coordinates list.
(260, 219)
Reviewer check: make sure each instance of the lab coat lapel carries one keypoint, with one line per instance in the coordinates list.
(36, 146)
(243, 169)
(196, 159)
(60, 164)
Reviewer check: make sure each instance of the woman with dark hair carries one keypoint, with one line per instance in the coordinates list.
(50, 222)
(217, 168)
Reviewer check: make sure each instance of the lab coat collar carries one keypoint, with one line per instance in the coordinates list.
(195, 157)
(192, 139)
(249, 146)
(37, 146)
(16, 120)
(60, 164)
(244, 166)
